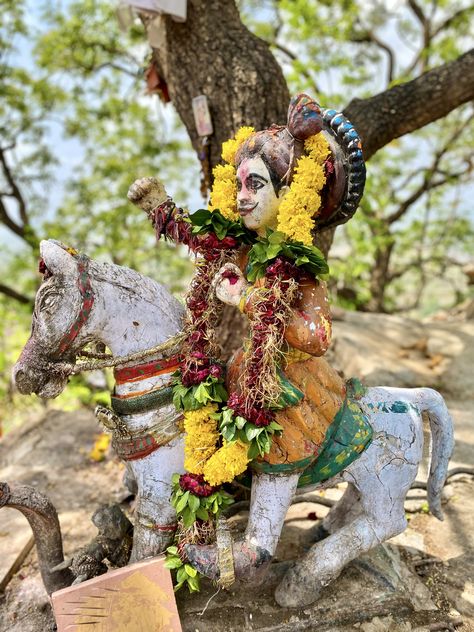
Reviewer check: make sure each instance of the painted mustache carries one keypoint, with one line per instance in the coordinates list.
(245, 209)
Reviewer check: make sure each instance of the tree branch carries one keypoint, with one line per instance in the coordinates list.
(425, 186)
(453, 18)
(428, 184)
(370, 38)
(9, 223)
(16, 193)
(291, 55)
(417, 263)
(402, 109)
(11, 293)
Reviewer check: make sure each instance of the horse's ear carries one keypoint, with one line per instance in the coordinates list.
(56, 258)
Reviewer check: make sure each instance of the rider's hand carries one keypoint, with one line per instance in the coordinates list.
(147, 193)
(230, 284)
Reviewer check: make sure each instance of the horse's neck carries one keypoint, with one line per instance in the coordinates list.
(130, 320)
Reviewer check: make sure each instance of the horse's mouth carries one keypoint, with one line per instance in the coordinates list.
(42, 384)
(51, 389)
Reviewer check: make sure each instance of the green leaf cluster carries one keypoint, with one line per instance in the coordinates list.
(274, 244)
(194, 397)
(205, 221)
(234, 427)
(190, 507)
(186, 575)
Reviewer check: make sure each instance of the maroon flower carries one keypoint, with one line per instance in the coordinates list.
(258, 416)
(229, 242)
(216, 370)
(202, 374)
(199, 356)
(228, 274)
(196, 484)
(212, 242)
(284, 269)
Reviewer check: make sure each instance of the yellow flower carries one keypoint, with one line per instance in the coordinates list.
(230, 147)
(302, 202)
(224, 192)
(224, 189)
(227, 463)
(101, 445)
(201, 437)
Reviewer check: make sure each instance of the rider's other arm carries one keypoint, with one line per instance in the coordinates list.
(310, 328)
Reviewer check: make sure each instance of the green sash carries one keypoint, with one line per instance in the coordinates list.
(346, 438)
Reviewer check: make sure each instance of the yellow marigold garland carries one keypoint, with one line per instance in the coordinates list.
(227, 463)
(230, 147)
(224, 190)
(301, 203)
(201, 438)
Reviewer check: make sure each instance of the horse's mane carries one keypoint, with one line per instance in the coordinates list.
(133, 282)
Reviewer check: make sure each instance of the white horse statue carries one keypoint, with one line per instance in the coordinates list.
(83, 301)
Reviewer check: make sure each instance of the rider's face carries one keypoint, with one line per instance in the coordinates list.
(257, 201)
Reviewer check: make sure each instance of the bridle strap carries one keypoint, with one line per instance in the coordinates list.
(87, 301)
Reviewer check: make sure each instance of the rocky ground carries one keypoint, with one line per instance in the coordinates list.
(423, 580)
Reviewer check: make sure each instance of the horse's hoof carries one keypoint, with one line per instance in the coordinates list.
(296, 589)
(250, 562)
(204, 559)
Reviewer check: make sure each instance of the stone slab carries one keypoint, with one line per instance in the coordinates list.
(136, 598)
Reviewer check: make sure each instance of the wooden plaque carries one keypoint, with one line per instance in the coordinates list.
(136, 598)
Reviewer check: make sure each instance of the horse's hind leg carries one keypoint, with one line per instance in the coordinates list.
(381, 498)
(344, 511)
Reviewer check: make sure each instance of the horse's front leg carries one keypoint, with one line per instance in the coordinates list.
(271, 496)
(155, 518)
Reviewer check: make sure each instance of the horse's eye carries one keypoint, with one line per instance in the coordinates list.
(48, 301)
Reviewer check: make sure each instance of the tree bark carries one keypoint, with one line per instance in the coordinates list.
(378, 279)
(214, 54)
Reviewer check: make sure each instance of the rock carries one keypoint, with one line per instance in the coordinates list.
(385, 624)
(374, 585)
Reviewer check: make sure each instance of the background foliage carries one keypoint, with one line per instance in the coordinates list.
(77, 128)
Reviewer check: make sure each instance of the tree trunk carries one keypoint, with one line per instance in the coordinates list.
(214, 54)
(379, 278)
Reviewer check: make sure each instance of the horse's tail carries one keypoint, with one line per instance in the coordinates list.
(442, 444)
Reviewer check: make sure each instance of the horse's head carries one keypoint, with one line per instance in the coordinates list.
(59, 326)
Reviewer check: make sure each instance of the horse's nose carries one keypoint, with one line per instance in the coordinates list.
(22, 380)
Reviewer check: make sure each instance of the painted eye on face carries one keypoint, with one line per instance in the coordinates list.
(254, 183)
